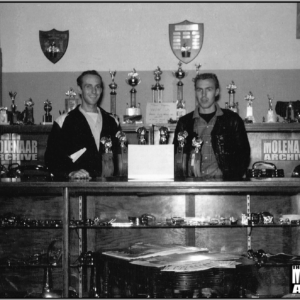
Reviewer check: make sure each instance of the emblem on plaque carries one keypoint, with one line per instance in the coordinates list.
(54, 44)
(186, 39)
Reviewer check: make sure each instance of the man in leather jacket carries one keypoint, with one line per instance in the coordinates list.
(225, 150)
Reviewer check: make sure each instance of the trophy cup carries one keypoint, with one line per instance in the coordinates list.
(180, 156)
(194, 164)
(157, 88)
(122, 155)
(180, 74)
(133, 113)
(141, 132)
(232, 105)
(28, 112)
(3, 116)
(47, 117)
(14, 114)
(163, 135)
(71, 102)
(271, 117)
(113, 94)
(249, 115)
(107, 157)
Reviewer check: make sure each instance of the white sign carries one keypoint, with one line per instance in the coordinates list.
(160, 113)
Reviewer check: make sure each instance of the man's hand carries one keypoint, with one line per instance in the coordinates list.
(80, 174)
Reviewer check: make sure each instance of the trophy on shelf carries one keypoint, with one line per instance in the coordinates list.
(123, 154)
(180, 74)
(133, 113)
(249, 114)
(3, 116)
(232, 105)
(28, 112)
(180, 156)
(271, 117)
(157, 88)
(194, 164)
(163, 135)
(141, 133)
(14, 114)
(71, 102)
(47, 117)
(113, 94)
(107, 157)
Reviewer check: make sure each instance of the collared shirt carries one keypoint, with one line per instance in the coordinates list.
(95, 123)
(209, 166)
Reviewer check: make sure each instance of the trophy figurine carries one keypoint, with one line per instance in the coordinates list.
(271, 117)
(249, 115)
(194, 164)
(71, 102)
(47, 117)
(163, 135)
(107, 157)
(141, 133)
(123, 154)
(133, 113)
(3, 116)
(28, 112)
(157, 88)
(113, 94)
(180, 156)
(14, 114)
(232, 105)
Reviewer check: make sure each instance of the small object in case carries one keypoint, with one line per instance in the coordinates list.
(262, 169)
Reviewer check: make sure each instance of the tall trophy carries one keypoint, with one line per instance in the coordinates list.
(249, 114)
(113, 94)
(271, 117)
(122, 155)
(180, 156)
(157, 88)
(232, 105)
(194, 164)
(180, 74)
(28, 112)
(14, 114)
(133, 113)
(71, 102)
(107, 157)
(47, 117)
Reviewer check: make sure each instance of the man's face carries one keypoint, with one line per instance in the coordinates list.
(206, 93)
(90, 89)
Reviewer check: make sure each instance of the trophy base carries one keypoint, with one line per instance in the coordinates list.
(132, 119)
(47, 123)
(133, 111)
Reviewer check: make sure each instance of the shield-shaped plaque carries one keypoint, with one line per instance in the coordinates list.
(54, 44)
(186, 40)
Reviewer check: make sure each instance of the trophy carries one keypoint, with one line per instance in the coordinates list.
(194, 165)
(290, 113)
(28, 112)
(71, 102)
(249, 115)
(271, 117)
(14, 114)
(180, 156)
(133, 113)
(107, 157)
(141, 132)
(3, 116)
(232, 105)
(123, 154)
(47, 117)
(163, 135)
(157, 88)
(113, 93)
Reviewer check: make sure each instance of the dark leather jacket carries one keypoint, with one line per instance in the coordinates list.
(229, 141)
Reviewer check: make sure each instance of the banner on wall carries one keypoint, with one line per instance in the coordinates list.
(186, 39)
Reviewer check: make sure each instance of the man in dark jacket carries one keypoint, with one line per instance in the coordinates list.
(225, 149)
(74, 149)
